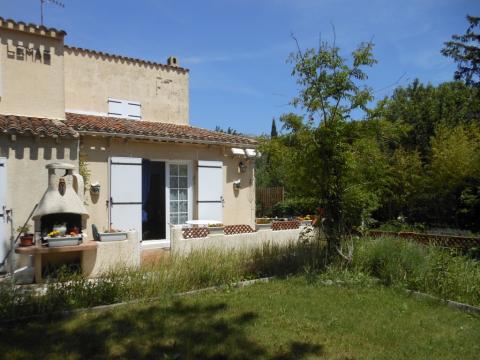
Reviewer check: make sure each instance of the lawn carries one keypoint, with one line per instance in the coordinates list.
(283, 319)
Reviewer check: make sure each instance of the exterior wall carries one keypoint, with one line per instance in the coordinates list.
(237, 242)
(90, 79)
(29, 86)
(239, 206)
(111, 255)
(27, 178)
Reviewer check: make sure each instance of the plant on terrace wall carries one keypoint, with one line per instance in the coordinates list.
(85, 172)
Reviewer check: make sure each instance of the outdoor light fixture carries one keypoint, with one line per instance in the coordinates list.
(242, 166)
(236, 185)
(95, 188)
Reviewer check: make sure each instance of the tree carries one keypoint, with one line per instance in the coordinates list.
(465, 51)
(329, 91)
(455, 174)
(422, 108)
(273, 132)
(229, 130)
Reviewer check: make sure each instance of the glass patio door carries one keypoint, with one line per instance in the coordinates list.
(178, 182)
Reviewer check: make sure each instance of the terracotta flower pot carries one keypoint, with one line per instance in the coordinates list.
(26, 240)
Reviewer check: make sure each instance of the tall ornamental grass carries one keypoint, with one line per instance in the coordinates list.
(175, 274)
(441, 272)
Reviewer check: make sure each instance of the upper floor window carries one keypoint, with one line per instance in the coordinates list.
(124, 108)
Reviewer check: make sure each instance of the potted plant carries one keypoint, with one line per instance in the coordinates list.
(263, 224)
(215, 229)
(112, 235)
(306, 220)
(27, 238)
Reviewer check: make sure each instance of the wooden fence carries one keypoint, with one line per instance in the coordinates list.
(267, 197)
(463, 242)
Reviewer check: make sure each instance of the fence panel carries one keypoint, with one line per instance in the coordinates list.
(267, 197)
(464, 242)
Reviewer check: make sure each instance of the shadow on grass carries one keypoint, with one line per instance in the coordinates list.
(176, 331)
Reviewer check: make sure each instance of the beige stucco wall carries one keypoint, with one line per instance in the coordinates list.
(30, 87)
(90, 79)
(26, 173)
(239, 206)
(112, 255)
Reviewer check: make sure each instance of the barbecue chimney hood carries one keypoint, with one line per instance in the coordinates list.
(60, 196)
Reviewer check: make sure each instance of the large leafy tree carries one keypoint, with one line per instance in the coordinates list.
(422, 108)
(454, 174)
(330, 89)
(465, 50)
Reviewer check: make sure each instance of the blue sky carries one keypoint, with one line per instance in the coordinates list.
(236, 50)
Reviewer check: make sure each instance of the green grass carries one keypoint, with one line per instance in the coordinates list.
(295, 318)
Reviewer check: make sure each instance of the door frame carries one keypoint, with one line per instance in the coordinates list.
(3, 206)
(166, 242)
(189, 164)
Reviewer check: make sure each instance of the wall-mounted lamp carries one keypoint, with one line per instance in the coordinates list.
(236, 185)
(242, 166)
(95, 188)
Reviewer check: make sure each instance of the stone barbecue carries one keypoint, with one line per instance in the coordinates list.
(61, 210)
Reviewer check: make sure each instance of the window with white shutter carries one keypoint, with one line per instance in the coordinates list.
(125, 109)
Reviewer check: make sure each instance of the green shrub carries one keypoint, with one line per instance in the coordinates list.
(295, 207)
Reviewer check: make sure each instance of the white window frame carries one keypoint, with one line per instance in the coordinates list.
(155, 243)
(4, 240)
(125, 106)
(167, 190)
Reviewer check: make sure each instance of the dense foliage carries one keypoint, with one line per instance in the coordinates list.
(415, 157)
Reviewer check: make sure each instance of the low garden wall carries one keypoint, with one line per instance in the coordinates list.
(111, 254)
(183, 246)
(463, 242)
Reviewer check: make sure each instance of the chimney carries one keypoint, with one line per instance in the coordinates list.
(172, 61)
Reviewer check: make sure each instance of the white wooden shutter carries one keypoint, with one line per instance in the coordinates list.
(3, 215)
(210, 190)
(124, 108)
(133, 110)
(115, 108)
(126, 194)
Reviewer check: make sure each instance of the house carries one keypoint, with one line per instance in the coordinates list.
(121, 122)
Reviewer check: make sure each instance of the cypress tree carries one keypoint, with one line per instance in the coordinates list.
(273, 132)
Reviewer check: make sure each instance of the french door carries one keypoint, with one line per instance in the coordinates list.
(179, 193)
(3, 215)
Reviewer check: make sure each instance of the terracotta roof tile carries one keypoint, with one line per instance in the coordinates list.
(153, 130)
(27, 125)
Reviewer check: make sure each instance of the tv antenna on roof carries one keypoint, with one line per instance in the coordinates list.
(43, 2)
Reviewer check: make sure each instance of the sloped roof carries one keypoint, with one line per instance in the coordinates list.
(110, 126)
(27, 125)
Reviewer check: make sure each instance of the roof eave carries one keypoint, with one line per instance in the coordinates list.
(165, 139)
